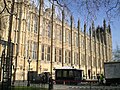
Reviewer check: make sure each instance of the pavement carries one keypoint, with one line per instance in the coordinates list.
(82, 86)
(68, 87)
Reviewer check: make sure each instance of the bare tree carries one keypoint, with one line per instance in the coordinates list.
(116, 54)
(91, 8)
(5, 7)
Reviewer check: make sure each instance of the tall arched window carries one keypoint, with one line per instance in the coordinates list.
(43, 27)
(27, 48)
(66, 57)
(69, 57)
(48, 53)
(49, 31)
(76, 40)
(60, 55)
(60, 35)
(75, 58)
(69, 38)
(35, 24)
(43, 50)
(34, 50)
(55, 55)
(28, 21)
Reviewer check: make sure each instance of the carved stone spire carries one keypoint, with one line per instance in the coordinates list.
(109, 29)
(93, 29)
(104, 24)
(85, 28)
(90, 32)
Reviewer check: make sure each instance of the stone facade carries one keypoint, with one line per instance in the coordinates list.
(89, 51)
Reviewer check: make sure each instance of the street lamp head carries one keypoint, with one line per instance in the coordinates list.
(29, 60)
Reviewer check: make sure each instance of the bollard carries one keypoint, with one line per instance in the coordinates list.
(64, 82)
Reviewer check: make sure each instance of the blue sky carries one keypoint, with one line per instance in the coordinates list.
(100, 16)
(115, 25)
(116, 33)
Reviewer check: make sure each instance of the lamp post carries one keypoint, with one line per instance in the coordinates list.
(40, 68)
(24, 70)
(29, 61)
(0, 67)
(13, 69)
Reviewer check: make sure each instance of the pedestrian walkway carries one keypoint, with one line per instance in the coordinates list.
(94, 88)
(60, 87)
(70, 87)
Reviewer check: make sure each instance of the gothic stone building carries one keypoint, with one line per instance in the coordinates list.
(70, 46)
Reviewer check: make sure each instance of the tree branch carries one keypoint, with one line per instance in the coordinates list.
(2, 10)
(5, 7)
(113, 7)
